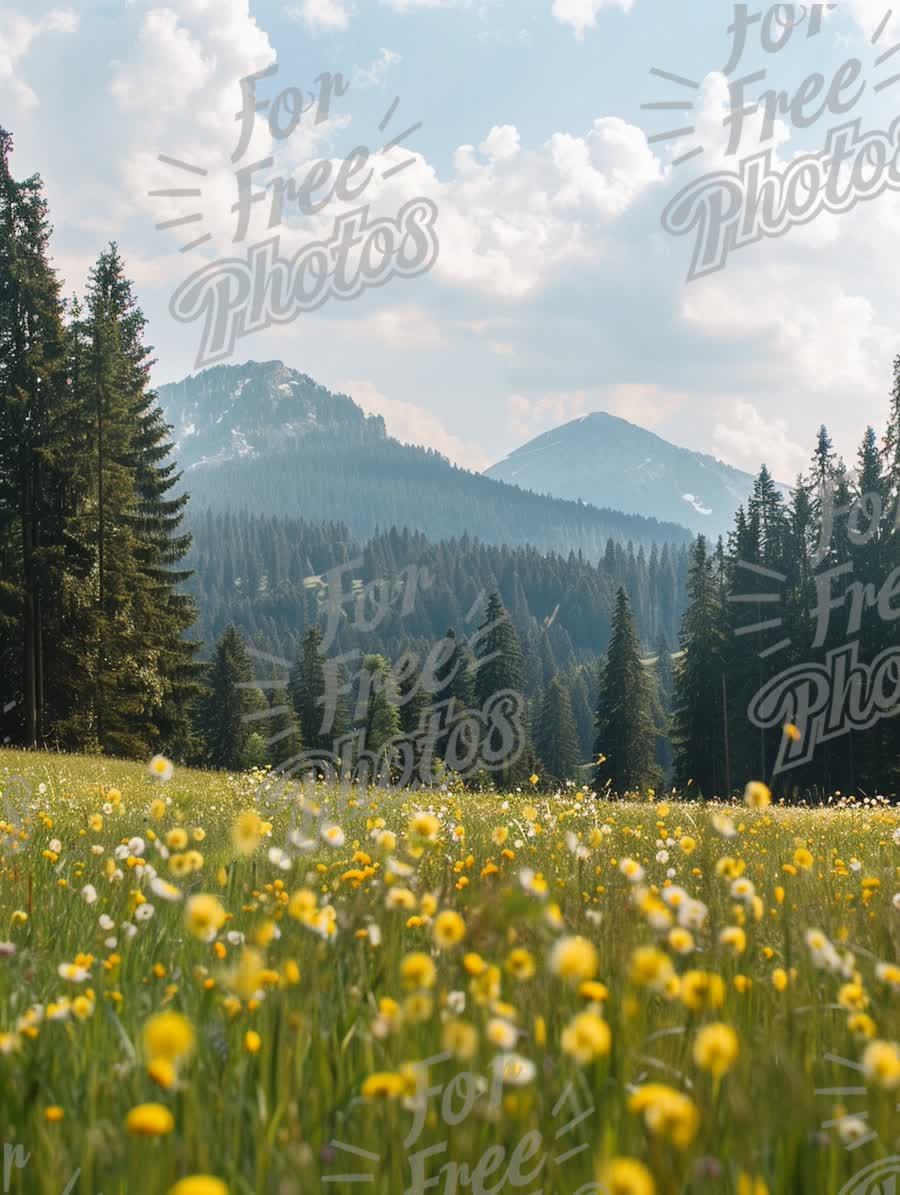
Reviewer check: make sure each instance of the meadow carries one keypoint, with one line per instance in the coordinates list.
(216, 985)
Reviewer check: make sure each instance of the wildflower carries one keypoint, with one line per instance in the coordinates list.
(667, 1113)
(513, 1070)
(385, 1085)
(177, 838)
(881, 1064)
(631, 870)
(748, 1185)
(252, 1042)
(574, 959)
(716, 1049)
(460, 1039)
(449, 929)
(424, 825)
(651, 968)
(164, 890)
(333, 835)
(803, 858)
(733, 939)
(168, 1035)
(681, 940)
(160, 768)
(501, 1033)
(586, 1038)
(723, 825)
(204, 916)
(626, 1176)
(757, 795)
(246, 832)
(53, 1114)
(702, 989)
(417, 971)
(73, 972)
(89, 894)
(520, 964)
(199, 1184)
(150, 1120)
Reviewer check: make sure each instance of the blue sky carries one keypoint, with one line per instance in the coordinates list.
(556, 291)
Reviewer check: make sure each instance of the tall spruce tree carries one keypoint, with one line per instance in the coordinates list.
(284, 740)
(698, 716)
(498, 670)
(35, 449)
(144, 672)
(626, 737)
(226, 709)
(556, 738)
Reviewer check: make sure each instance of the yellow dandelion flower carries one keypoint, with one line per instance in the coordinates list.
(150, 1120)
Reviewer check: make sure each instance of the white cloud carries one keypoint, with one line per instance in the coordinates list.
(644, 404)
(372, 75)
(412, 424)
(529, 417)
(869, 15)
(404, 6)
(821, 335)
(17, 34)
(404, 327)
(582, 14)
(322, 16)
(166, 50)
(508, 221)
(501, 143)
(747, 440)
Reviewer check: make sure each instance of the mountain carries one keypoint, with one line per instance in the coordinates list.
(266, 439)
(249, 412)
(610, 462)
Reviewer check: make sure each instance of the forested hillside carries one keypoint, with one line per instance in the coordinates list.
(266, 439)
(267, 575)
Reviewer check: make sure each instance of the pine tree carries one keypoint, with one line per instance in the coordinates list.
(698, 717)
(382, 718)
(498, 670)
(226, 709)
(414, 711)
(556, 739)
(145, 675)
(625, 731)
(35, 455)
(314, 691)
(284, 741)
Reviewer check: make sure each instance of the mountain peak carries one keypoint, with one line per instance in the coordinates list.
(607, 461)
(234, 412)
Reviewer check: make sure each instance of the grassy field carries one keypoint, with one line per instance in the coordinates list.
(208, 985)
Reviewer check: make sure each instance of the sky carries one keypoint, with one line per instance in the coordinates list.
(558, 288)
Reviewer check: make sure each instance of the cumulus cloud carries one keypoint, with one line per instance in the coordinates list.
(412, 424)
(374, 73)
(17, 35)
(529, 417)
(746, 439)
(581, 15)
(644, 404)
(322, 16)
(406, 326)
(404, 6)
(820, 333)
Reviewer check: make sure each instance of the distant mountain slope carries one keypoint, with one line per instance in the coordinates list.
(610, 462)
(267, 439)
